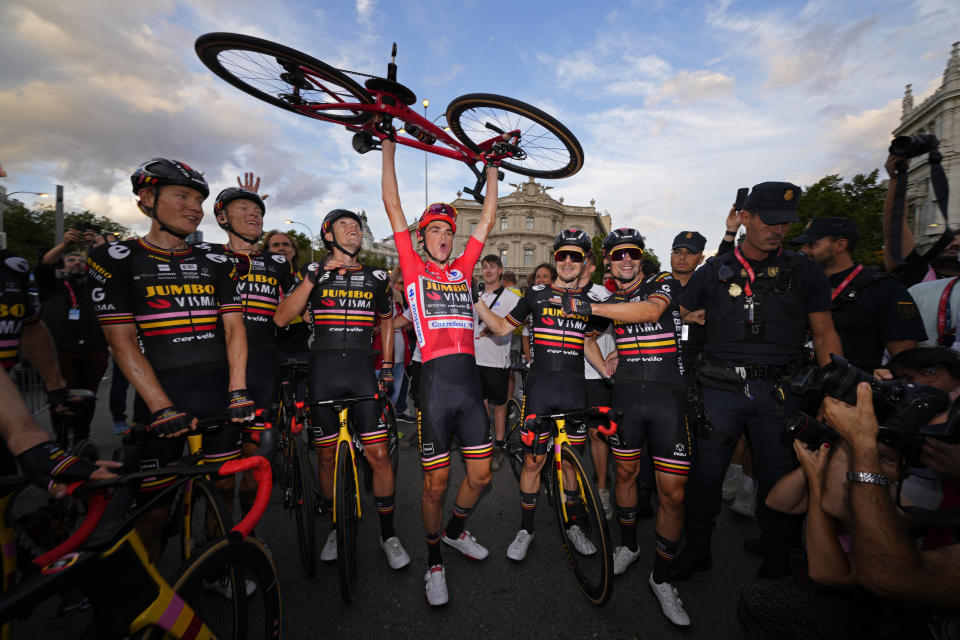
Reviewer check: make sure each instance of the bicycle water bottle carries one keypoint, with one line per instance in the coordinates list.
(423, 136)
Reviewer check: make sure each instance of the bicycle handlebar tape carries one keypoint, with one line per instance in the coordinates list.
(261, 473)
(530, 436)
(46, 463)
(613, 419)
(96, 505)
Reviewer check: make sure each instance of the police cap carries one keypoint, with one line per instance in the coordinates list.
(775, 202)
(827, 227)
(691, 240)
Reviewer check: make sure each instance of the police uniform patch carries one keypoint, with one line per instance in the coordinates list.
(735, 290)
(773, 271)
(907, 309)
(788, 195)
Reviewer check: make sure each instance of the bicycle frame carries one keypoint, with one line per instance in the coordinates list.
(344, 436)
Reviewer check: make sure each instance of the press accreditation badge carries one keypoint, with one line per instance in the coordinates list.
(73, 314)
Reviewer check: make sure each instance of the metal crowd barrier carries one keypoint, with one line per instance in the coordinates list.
(31, 387)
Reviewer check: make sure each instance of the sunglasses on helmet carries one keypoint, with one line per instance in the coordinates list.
(441, 209)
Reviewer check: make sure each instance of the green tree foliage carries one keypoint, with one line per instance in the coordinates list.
(30, 231)
(861, 198)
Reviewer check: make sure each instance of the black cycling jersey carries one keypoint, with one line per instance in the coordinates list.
(648, 351)
(264, 278)
(345, 307)
(175, 298)
(556, 340)
(17, 306)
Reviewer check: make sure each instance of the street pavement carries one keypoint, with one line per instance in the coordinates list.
(494, 598)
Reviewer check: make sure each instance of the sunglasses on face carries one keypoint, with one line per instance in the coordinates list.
(574, 256)
(622, 254)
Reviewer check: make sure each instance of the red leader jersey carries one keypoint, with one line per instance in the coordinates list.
(439, 298)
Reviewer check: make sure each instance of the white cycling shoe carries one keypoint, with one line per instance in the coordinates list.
(467, 545)
(521, 543)
(397, 556)
(436, 586)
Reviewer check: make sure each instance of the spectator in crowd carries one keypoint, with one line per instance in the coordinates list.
(66, 309)
(493, 352)
(543, 274)
(293, 339)
(938, 303)
(872, 311)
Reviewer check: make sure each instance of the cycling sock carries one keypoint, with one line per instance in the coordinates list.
(528, 508)
(575, 508)
(433, 550)
(666, 550)
(457, 520)
(628, 526)
(385, 511)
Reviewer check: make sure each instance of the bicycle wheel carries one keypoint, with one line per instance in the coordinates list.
(234, 590)
(301, 488)
(202, 518)
(389, 419)
(588, 547)
(280, 460)
(348, 521)
(513, 445)
(551, 150)
(282, 76)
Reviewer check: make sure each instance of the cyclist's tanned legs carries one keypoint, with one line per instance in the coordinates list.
(670, 491)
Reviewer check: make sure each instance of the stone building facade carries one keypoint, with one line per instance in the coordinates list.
(528, 220)
(940, 115)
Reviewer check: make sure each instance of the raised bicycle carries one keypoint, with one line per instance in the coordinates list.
(590, 554)
(529, 141)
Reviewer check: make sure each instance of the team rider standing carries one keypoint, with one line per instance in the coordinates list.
(346, 300)
(438, 290)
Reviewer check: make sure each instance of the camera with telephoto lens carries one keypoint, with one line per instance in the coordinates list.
(903, 409)
(913, 146)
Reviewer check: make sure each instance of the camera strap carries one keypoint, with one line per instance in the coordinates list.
(941, 190)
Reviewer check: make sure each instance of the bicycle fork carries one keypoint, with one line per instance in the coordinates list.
(344, 436)
(558, 469)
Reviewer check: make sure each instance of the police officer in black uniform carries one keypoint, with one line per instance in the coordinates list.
(759, 301)
(872, 310)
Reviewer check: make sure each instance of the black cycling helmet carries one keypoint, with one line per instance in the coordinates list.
(327, 226)
(574, 237)
(230, 194)
(622, 236)
(160, 172)
(227, 196)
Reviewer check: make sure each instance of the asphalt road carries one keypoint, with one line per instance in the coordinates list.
(493, 598)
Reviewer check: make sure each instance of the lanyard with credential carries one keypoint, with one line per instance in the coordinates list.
(946, 334)
(74, 312)
(846, 282)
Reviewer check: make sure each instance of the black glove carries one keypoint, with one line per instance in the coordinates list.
(385, 126)
(240, 407)
(575, 306)
(385, 377)
(167, 421)
(46, 463)
(316, 273)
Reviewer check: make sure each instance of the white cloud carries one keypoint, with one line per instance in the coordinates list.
(695, 86)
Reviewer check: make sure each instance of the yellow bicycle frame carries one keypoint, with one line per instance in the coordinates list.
(561, 439)
(344, 436)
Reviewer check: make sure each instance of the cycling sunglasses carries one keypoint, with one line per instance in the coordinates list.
(634, 253)
(575, 255)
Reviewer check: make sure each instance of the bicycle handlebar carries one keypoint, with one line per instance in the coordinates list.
(264, 477)
(612, 417)
(342, 402)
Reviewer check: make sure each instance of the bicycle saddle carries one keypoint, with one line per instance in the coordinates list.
(404, 95)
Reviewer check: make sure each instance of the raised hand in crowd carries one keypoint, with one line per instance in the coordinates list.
(251, 182)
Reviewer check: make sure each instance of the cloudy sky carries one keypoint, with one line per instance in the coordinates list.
(676, 104)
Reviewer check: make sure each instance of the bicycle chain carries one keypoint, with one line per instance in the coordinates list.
(365, 75)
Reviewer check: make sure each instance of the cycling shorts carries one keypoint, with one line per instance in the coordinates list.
(547, 394)
(653, 415)
(335, 375)
(263, 372)
(450, 402)
(599, 394)
(494, 382)
(203, 394)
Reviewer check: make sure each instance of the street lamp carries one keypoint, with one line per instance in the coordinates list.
(310, 231)
(426, 198)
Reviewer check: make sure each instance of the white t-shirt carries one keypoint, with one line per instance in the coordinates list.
(494, 351)
(927, 296)
(605, 340)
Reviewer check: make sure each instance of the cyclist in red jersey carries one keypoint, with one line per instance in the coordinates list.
(438, 290)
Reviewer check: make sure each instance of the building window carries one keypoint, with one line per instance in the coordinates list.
(554, 226)
(503, 223)
(503, 256)
(473, 226)
(528, 257)
(529, 223)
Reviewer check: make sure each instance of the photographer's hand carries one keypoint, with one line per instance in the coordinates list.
(855, 424)
(942, 457)
(733, 221)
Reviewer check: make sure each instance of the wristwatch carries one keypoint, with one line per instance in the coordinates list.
(867, 478)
